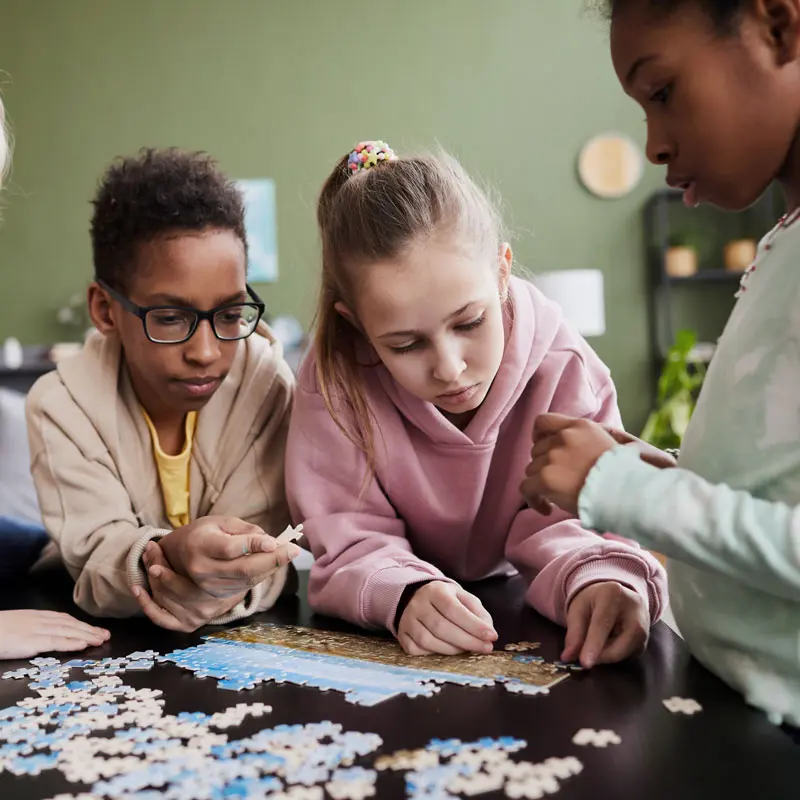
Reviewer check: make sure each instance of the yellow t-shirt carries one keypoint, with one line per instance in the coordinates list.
(173, 472)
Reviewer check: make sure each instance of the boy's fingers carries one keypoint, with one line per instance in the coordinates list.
(232, 546)
(258, 566)
(238, 527)
(160, 616)
(155, 555)
(168, 584)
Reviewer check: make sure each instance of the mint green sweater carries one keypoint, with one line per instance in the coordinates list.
(728, 518)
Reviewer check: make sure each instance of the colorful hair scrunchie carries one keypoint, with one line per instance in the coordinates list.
(368, 154)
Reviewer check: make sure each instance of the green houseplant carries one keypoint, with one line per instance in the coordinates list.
(680, 380)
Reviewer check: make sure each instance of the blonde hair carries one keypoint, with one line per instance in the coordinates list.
(375, 215)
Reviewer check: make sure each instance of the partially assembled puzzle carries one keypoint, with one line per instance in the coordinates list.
(367, 669)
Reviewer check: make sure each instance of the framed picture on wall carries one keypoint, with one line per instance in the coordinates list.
(261, 225)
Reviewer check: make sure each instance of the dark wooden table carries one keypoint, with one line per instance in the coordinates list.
(728, 751)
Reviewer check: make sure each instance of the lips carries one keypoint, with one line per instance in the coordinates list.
(689, 188)
(200, 386)
(459, 396)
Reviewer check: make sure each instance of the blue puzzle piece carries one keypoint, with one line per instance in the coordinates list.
(33, 765)
(77, 663)
(14, 712)
(78, 686)
(194, 716)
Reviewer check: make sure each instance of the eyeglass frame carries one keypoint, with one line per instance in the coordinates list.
(143, 311)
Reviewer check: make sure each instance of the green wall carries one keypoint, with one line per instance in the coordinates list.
(282, 88)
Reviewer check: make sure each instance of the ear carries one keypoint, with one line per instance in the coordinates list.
(100, 311)
(780, 20)
(505, 263)
(344, 311)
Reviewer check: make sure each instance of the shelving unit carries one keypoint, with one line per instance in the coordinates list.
(709, 293)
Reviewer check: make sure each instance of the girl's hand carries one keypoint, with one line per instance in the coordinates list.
(177, 604)
(443, 618)
(606, 622)
(565, 451)
(224, 556)
(26, 633)
(647, 452)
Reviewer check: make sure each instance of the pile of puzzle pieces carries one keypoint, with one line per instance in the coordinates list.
(117, 741)
(176, 757)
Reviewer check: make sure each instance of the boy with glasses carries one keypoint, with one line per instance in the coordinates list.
(158, 451)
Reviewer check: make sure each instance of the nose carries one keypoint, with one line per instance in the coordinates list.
(659, 149)
(449, 364)
(203, 347)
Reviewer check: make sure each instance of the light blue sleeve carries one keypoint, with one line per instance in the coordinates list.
(711, 527)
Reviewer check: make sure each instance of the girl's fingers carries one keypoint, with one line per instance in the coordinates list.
(429, 642)
(442, 636)
(449, 605)
(410, 646)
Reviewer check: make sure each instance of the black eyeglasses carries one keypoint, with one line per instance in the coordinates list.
(177, 324)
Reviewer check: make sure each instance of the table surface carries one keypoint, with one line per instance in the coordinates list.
(728, 751)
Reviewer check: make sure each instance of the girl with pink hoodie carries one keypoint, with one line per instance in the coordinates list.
(411, 427)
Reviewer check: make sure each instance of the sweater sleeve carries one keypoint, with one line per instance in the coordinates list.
(86, 510)
(559, 558)
(556, 554)
(363, 561)
(711, 527)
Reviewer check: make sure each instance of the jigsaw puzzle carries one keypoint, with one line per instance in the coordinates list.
(367, 669)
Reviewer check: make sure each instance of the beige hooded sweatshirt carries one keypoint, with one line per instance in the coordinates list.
(97, 481)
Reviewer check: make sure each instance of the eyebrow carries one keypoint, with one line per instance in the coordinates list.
(174, 300)
(637, 65)
(417, 333)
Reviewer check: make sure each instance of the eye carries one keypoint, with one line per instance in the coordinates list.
(167, 318)
(662, 96)
(471, 326)
(407, 348)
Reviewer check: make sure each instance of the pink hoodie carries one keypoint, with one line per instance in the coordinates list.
(445, 503)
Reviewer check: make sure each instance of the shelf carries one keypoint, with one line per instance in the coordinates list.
(709, 276)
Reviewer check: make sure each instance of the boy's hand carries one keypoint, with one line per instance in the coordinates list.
(26, 633)
(224, 556)
(565, 451)
(606, 622)
(177, 603)
(443, 618)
